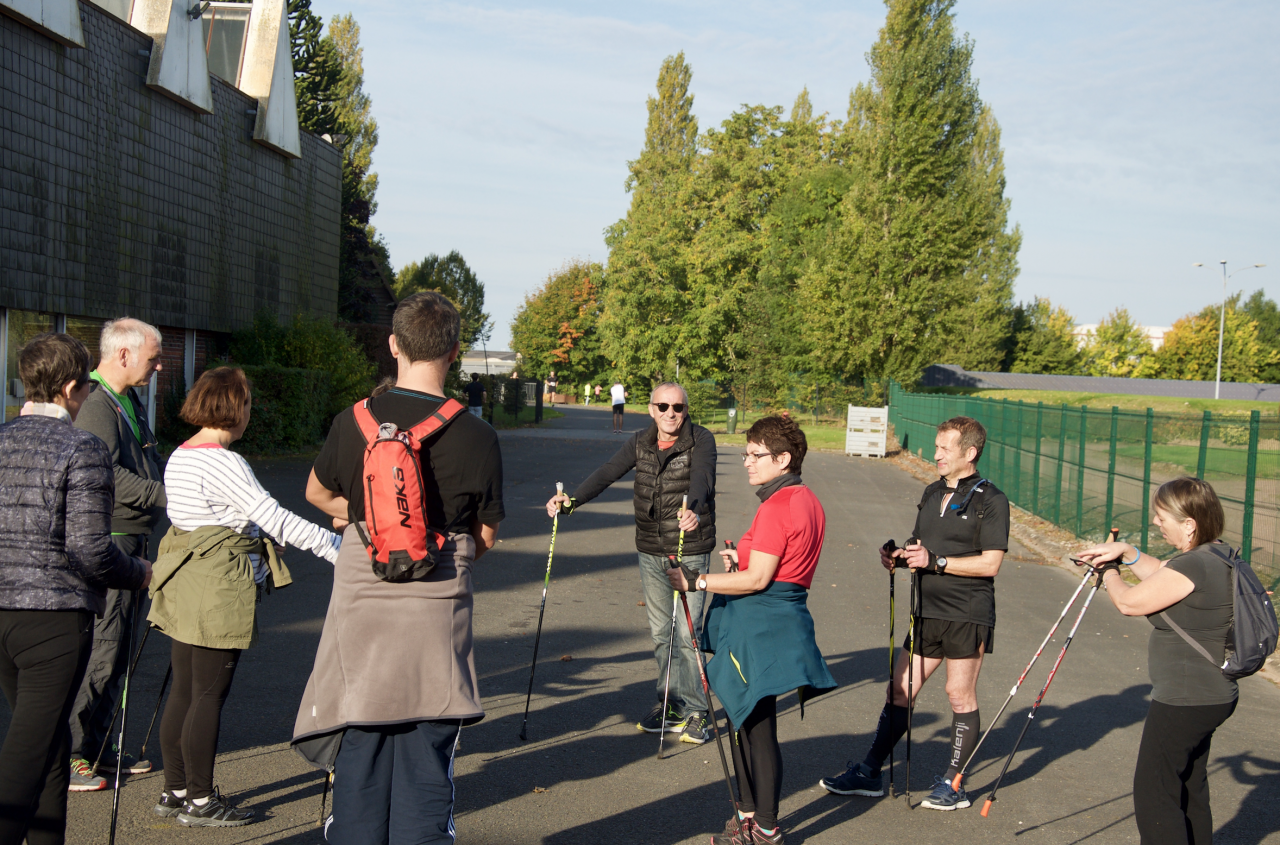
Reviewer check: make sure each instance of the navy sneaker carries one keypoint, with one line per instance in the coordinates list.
(856, 780)
(943, 797)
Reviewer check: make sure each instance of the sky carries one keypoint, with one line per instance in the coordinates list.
(1139, 137)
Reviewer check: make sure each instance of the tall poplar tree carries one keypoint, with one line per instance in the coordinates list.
(917, 217)
(645, 301)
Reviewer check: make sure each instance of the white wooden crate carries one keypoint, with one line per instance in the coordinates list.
(867, 432)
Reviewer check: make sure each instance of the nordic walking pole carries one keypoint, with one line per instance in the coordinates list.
(124, 721)
(706, 690)
(324, 796)
(986, 807)
(115, 712)
(892, 792)
(168, 673)
(555, 523)
(676, 561)
(913, 624)
(955, 782)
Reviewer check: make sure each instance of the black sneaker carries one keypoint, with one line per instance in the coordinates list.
(169, 805)
(132, 765)
(856, 780)
(652, 723)
(215, 812)
(696, 728)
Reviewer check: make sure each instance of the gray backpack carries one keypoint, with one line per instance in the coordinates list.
(1254, 629)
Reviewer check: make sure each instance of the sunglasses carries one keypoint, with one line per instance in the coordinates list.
(662, 407)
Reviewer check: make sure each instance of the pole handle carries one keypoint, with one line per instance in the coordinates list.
(559, 488)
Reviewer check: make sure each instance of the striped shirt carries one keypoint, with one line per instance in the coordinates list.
(210, 485)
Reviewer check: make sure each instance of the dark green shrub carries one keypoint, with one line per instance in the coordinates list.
(513, 397)
(289, 410)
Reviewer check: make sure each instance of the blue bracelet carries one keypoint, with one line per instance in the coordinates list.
(1135, 560)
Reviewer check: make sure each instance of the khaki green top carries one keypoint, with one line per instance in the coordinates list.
(202, 588)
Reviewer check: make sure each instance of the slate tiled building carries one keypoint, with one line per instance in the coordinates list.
(135, 182)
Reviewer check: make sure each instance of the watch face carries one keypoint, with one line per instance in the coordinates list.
(942, 561)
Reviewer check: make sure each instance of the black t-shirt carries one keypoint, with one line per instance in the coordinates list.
(475, 394)
(1180, 675)
(966, 528)
(463, 459)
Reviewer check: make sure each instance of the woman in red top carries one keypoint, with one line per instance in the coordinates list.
(759, 627)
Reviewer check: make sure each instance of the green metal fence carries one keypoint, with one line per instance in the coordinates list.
(1088, 469)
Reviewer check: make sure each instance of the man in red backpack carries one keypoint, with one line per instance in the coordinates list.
(394, 677)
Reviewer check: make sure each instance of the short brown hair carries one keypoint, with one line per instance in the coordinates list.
(1191, 498)
(48, 362)
(218, 399)
(971, 433)
(426, 326)
(780, 434)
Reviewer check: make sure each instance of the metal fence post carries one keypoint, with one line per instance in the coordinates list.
(1035, 471)
(1111, 468)
(1000, 438)
(1057, 470)
(1084, 433)
(1146, 479)
(1204, 444)
(1250, 482)
(1017, 457)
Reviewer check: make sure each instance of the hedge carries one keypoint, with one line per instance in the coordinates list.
(289, 410)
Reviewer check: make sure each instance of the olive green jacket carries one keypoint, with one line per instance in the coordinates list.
(202, 588)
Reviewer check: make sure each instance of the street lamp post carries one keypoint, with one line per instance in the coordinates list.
(1222, 318)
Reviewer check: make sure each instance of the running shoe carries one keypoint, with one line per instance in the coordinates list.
(82, 777)
(169, 805)
(652, 723)
(132, 765)
(696, 728)
(758, 836)
(739, 835)
(943, 797)
(856, 780)
(731, 826)
(215, 812)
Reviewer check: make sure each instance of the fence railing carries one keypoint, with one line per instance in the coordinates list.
(1088, 469)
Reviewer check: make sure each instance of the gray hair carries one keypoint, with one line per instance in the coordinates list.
(664, 386)
(125, 333)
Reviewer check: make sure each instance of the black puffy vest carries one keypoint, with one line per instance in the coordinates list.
(662, 480)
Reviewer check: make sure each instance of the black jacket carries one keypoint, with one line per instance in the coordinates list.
(55, 519)
(663, 477)
(140, 499)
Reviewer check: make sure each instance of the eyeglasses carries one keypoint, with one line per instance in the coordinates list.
(748, 457)
(678, 407)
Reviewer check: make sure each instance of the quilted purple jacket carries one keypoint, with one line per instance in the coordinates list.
(57, 490)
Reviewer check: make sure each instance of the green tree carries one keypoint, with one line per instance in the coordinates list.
(644, 303)
(353, 108)
(556, 327)
(1190, 348)
(917, 218)
(1118, 348)
(452, 277)
(1264, 312)
(1043, 342)
(317, 70)
(981, 326)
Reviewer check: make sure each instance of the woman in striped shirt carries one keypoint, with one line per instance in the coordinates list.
(226, 529)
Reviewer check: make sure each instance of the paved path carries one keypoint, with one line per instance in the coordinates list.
(587, 776)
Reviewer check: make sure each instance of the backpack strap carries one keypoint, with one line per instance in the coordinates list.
(366, 421)
(442, 417)
(1227, 558)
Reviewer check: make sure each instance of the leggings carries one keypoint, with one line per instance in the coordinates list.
(757, 761)
(1170, 784)
(192, 715)
(42, 658)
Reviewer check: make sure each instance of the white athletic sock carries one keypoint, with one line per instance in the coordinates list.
(199, 802)
(179, 793)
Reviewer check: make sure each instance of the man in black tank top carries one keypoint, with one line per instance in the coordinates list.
(960, 537)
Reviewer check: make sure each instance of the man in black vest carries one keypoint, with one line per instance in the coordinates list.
(672, 458)
(960, 538)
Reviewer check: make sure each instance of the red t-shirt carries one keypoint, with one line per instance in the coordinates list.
(791, 524)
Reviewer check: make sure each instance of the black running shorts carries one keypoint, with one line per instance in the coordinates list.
(944, 638)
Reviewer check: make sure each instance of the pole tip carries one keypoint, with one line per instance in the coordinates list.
(523, 738)
(955, 782)
(986, 808)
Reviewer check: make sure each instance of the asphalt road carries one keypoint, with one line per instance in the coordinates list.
(588, 776)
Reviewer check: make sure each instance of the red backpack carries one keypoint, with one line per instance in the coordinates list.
(402, 545)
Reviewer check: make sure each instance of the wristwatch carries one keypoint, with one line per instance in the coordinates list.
(702, 584)
(942, 564)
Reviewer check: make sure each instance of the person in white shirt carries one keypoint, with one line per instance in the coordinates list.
(210, 487)
(618, 394)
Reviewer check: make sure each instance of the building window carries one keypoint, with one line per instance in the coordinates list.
(226, 28)
(20, 327)
(88, 331)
